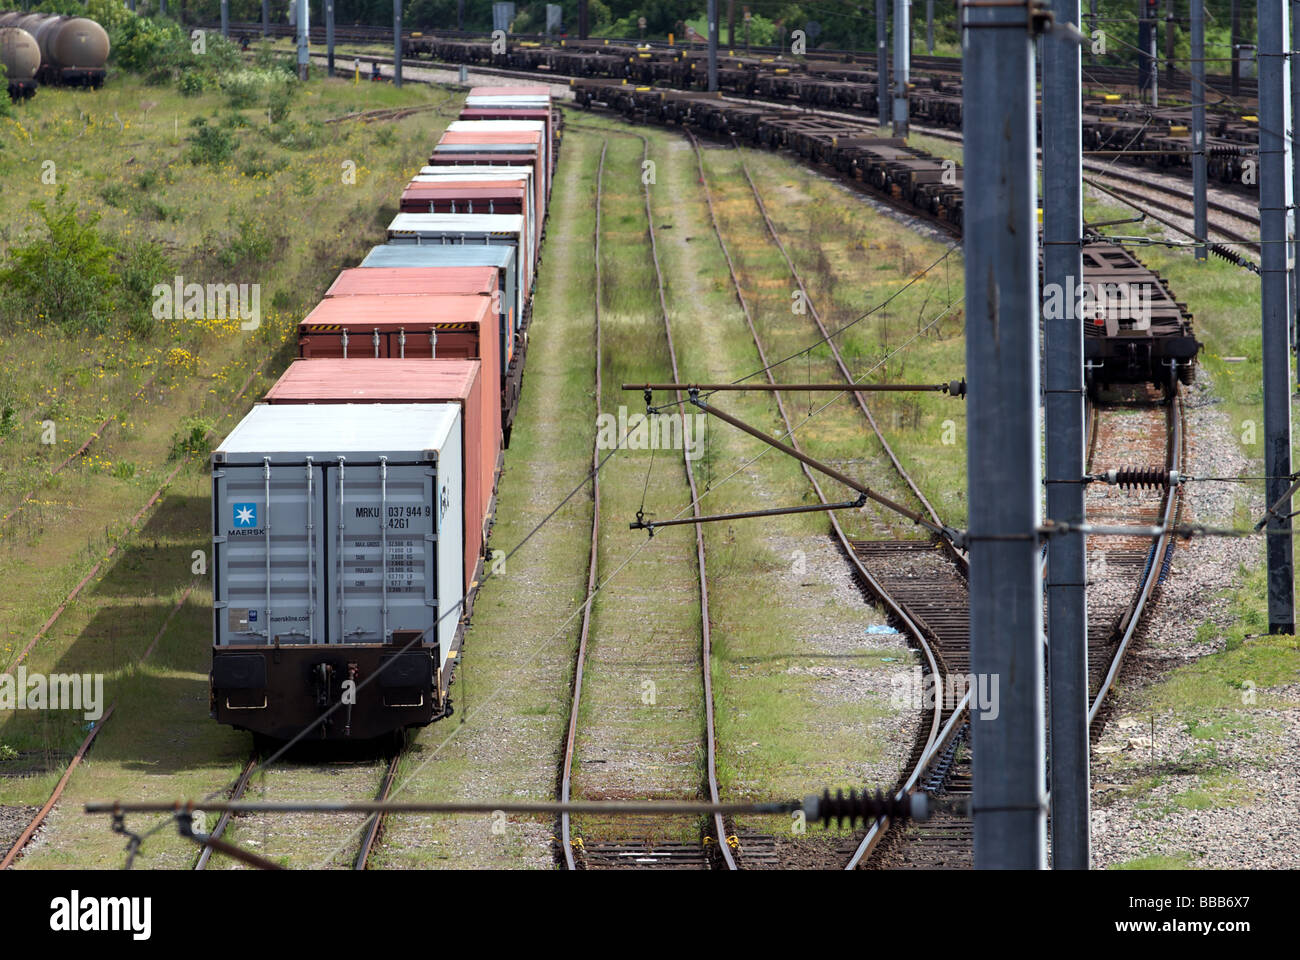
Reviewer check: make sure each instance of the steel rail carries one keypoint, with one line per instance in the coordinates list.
(706, 644)
(34, 824)
(873, 585)
(580, 656)
(219, 828)
(835, 350)
(375, 825)
(1159, 548)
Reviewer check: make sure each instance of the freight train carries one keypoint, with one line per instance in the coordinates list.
(46, 48)
(351, 508)
(1135, 131)
(1134, 330)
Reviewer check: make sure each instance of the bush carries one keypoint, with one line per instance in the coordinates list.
(148, 46)
(191, 83)
(6, 108)
(192, 440)
(279, 97)
(66, 276)
(144, 263)
(252, 244)
(248, 87)
(210, 145)
(110, 14)
(258, 164)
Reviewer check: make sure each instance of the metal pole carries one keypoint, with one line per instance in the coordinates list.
(902, 63)
(1003, 474)
(302, 39)
(1155, 69)
(460, 15)
(162, 8)
(225, 18)
(1169, 40)
(1092, 25)
(713, 45)
(1063, 404)
(1274, 217)
(1199, 222)
(266, 18)
(1294, 61)
(731, 24)
(1236, 46)
(397, 43)
(329, 36)
(584, 27)
(882, 63)
(929, 27)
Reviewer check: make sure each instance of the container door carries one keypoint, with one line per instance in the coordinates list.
(268, 549)
(383, 570)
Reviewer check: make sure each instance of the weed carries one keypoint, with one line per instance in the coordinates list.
(65, 276)
(192, 440)
(210, 145)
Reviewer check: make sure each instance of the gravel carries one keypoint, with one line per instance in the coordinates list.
(1245, 811)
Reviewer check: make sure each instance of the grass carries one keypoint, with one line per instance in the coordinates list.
(510, 687)
(791, 710)
(127, 143)
(1158, 861)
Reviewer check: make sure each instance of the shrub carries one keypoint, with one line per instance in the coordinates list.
(257, 164)
(211, 145)
(247, 87)
(279, 97)
(148, 46)
(191, 83)
(252, 244)
(67, 275)
(144, 263)
(192, 440)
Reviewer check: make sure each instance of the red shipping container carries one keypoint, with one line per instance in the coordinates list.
(457, 281)
(474, 196)
(465, 196)
(527, 90)
(422, 281)
(417, 381)
(398, 326)
(517, 113)
(504, 141)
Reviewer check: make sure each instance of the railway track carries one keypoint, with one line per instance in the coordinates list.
(876, 563)
(1105, 75)
(307, 778)
(1227, 216)
(654, 850)
(1124, 574)
(580, 656)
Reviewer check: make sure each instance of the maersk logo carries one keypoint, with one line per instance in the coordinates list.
(245, 514)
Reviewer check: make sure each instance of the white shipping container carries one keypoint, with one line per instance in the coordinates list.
(484, 172)
(338, 524)
(468, 228)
